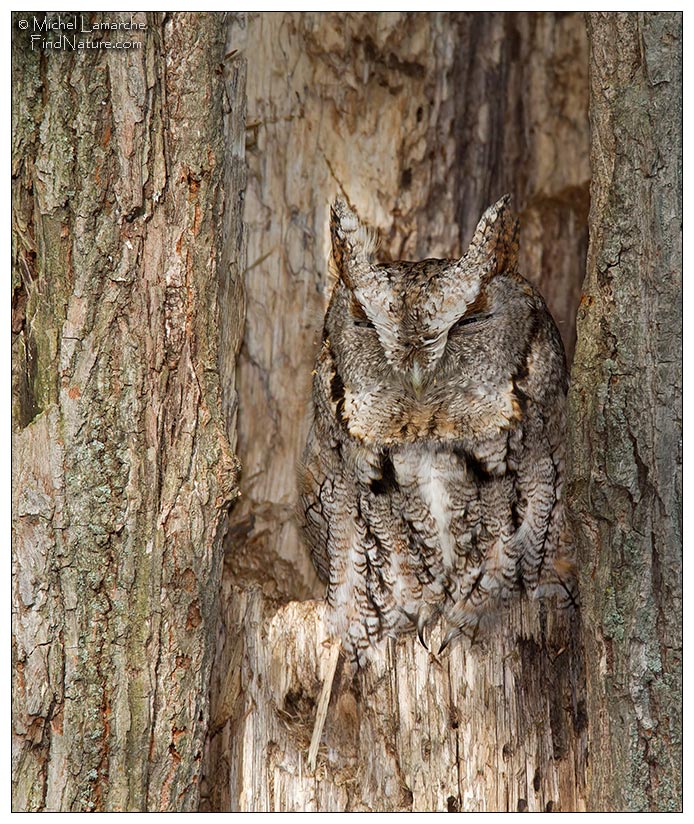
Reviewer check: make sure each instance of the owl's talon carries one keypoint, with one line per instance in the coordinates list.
(420, 621)
(420, 635)
(450, 635)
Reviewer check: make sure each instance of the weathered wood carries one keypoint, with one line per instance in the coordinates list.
(422, 120)
(500, 727)
(122, 466)
(626, 415)
(521, 126)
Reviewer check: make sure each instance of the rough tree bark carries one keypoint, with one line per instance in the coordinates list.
(122, 466)
(423, 121)
(127, 315)
(626, 415)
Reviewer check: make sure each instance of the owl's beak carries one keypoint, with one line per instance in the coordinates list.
(417, 379)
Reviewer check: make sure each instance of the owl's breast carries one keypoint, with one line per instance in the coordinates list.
(433, 480)
(383, 413)
(377, 416)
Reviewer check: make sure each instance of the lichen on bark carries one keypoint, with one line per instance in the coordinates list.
(626, 415)
(122, 467)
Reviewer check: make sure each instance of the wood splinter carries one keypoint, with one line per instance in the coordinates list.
(323, 701)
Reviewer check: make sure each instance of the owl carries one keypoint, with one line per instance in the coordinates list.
(431, 482)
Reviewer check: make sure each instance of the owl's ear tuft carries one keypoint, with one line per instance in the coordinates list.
(353, 243)
(495, 242)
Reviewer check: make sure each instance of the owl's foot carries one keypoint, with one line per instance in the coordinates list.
(421, 620)
(466, 624)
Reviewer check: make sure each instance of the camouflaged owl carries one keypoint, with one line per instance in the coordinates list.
(432, 476)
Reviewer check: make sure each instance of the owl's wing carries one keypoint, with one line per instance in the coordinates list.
(315, 487)
(542, 541)
(347, 550)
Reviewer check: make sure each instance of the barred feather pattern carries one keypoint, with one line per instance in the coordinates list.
(431, 484)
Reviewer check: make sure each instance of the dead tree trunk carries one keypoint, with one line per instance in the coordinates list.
(122, 466)
(626, 414)
(496, 728)
(423, 121)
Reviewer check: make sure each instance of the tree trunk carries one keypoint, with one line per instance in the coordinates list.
(626, 415)
(422, 121)
(152, 217)
(122, 466)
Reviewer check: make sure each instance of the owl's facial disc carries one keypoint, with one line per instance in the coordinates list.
(411, 306)
(413, 313)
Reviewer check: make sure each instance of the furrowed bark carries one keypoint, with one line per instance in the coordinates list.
(122, 466)
(132, 211)
(626, 415)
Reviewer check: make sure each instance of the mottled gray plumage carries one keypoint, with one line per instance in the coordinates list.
(432, 479)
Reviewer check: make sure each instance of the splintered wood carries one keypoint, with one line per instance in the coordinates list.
(323, 702)
(499, 727)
